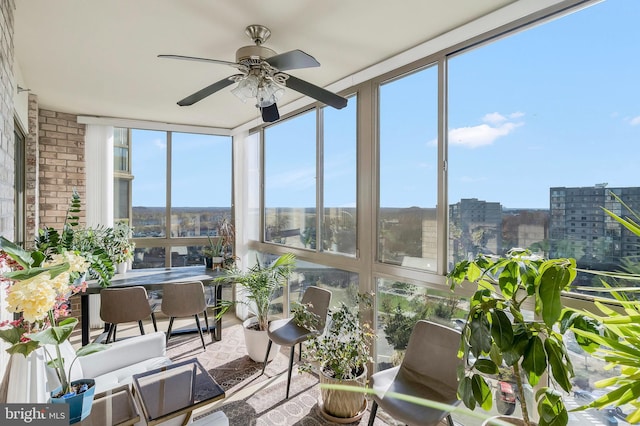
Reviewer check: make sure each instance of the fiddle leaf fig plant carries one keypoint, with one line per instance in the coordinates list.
(498, 332)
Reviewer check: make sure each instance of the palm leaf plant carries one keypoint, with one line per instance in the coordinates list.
(615, 333)
(497, 332)
(259, 285)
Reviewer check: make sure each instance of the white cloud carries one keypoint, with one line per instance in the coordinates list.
(159, 143)
(635, 121)
(494, 118)
(485, 134)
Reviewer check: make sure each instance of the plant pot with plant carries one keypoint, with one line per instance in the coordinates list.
(38, 288)
(214, 253)
(341, 355)
(258, 286)
(499, 332)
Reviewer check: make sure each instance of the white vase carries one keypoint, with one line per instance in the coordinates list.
(121, 268)
(257, 341)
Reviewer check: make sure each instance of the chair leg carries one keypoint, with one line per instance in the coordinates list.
(372, 416)
(300, 352)
(266, 357)
(450, 420)
(204, 346)
(169, 329)
(153, 320)
(206, 321)
(109, 333)
(115, 328)
(291, 355)
(141, 326)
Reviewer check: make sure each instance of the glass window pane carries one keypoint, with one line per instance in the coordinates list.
(340, 178)
(400, 305)
(186, 256)
(149, 257)
(342, 284)
(121, 189)
(200, 183)
(408, 170)
(149, 192)
(121, 150)
(290, 182)
(534, 154)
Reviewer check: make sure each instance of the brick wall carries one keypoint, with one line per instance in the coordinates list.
(62, 166)
(7, 147)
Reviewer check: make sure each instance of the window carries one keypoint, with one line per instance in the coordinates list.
(179, 187)
(340, 179)
(518, 138)
(408, 171)
(290, 182)
(311, 204)
(122, 176)
(20, 186)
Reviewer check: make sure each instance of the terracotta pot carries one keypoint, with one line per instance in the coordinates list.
(341, 406)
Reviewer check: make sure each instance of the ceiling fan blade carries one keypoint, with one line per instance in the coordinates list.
(316, 92)
(209, 90)
(192, 58)
(292, 60)
(270, 114)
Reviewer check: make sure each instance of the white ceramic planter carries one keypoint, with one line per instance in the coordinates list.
(257, 341)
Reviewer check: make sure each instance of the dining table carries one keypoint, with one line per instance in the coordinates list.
(153, 279)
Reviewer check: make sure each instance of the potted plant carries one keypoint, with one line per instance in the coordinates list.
(38, 288)
(213, 253)
(90, 243)
(498, 332)
(341, 355)
(119, 245)
(227, 232)
(258, 286)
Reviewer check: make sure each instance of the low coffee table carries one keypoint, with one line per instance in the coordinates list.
(175, 390)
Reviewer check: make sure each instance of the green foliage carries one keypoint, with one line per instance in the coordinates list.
(92, 244)
(614, 334)
(304, 317)
(259, 284)
(55, 336)
(497, 333)
(343, 349)
(215, 248)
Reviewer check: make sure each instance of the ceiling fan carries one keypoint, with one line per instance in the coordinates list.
(262, 77)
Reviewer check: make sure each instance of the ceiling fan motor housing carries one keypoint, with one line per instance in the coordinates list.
(253, 55)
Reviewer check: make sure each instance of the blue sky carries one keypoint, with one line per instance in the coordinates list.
(556, 105)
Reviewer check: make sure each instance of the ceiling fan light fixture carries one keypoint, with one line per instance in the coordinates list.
(268, 93)
(247, 88)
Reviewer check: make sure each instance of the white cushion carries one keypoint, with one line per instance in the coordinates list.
(123, 376)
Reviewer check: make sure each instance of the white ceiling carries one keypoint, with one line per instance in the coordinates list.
(96, 57)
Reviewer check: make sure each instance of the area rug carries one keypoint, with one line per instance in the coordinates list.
(268, 406)
(234, 371)
(227, 360)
